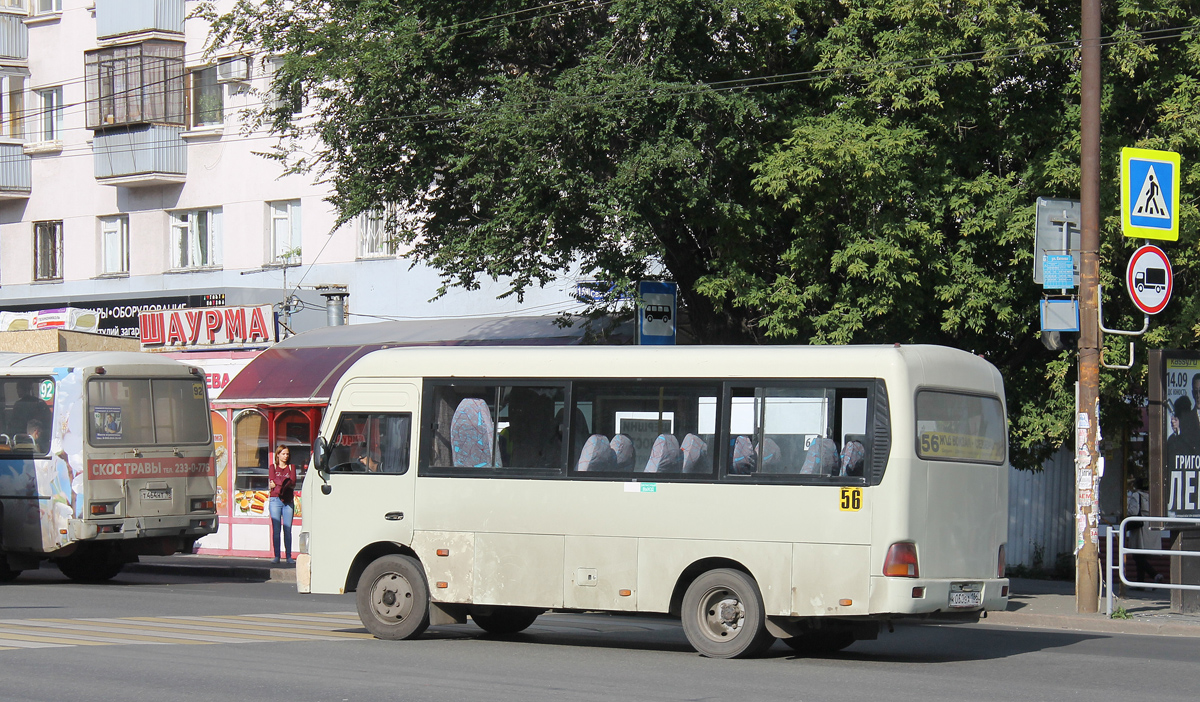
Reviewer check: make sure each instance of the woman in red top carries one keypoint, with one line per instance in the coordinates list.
(282, 502)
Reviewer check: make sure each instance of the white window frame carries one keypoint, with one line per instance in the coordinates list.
(16, 6)
(42, 7)
(50, 114)
(195, 239)
(372, 234)
(284, 231)
(114, 244)
(194, 120)
(57, 251)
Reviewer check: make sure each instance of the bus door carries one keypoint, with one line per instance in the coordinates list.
(371, 463)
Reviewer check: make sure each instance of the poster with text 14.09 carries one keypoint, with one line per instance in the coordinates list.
(1181, 450)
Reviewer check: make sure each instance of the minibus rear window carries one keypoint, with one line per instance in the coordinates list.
(144, 412)
(959, 427)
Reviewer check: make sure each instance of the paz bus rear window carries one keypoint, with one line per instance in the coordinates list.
(959, 427)
(143, 411)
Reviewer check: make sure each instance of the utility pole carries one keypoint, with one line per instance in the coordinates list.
(1087, 566)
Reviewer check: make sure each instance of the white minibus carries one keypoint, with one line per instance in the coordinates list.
(104, 456)
(805, 493)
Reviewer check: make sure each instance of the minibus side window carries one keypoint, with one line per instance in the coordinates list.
(643, 428)
(28, 409)
(801, 434)
(483, 428)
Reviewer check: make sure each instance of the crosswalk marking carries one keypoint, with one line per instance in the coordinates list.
(25, 634)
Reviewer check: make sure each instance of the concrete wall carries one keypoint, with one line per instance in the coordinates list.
(51, 340)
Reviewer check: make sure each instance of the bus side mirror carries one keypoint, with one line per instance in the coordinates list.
(320, 456)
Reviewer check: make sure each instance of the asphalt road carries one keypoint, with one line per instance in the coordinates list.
(147, 637)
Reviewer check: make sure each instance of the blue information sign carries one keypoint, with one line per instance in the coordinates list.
(1058, 272)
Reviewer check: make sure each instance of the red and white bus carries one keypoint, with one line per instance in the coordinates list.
(104, 456)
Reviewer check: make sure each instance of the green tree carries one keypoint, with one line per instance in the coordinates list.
(808, 171)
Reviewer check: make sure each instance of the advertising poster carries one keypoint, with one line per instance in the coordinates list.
(1181, 432)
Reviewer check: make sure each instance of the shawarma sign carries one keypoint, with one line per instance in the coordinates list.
(207, 328)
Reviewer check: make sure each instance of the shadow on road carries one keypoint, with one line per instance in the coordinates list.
(911, 643)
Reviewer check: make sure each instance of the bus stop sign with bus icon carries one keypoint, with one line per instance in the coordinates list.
(1149, 279)
(657, 312)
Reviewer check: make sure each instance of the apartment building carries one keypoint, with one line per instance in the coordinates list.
(127, 181)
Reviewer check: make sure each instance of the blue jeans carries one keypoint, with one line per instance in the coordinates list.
(281, 516)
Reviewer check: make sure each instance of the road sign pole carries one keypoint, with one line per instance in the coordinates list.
(1087, 570)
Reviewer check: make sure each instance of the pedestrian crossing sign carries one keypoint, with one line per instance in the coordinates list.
(1150, 194)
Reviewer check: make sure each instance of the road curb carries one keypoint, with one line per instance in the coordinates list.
(1098, 624)
(251, 573)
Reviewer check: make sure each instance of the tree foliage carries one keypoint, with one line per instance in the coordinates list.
(808, 170)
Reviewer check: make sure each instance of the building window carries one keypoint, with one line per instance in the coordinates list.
(44, 7)
(278, 97)
(50, 114)
(14, 5)
(114, 241)
(207, 97)
(47, 250)
(373, 238)
(15, 123)
(285, 231)
(134, 84)
(196, 238)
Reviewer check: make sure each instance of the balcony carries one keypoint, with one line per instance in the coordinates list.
(14, 38)
(16, 174)
(134, 84)
(115, 18)
(146, 156)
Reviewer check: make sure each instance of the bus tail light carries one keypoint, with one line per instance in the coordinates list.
(204, 505)
(1000, 562)
(901, 561)
(102, 508)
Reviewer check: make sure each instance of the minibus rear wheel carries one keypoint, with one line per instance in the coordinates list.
(92, 563)
(393, 598)
(723, 615)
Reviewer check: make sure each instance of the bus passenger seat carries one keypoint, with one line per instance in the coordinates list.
(471, 433)
(769, 453)
(853, 454)
(622, 448)
(596, 455)
(665, 456)
(694, 452)
(745, 462)
(822, 458)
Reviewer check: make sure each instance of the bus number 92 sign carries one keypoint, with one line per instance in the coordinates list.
(1149, 279)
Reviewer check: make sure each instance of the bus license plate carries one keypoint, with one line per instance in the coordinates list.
(966, 599)
(148, 494)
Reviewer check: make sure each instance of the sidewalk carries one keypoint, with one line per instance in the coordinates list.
(1037, 604)
(1050, 604)
(259, 569)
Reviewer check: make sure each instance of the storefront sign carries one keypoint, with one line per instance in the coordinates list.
(120, 317)
(208, 328)
(124, 468)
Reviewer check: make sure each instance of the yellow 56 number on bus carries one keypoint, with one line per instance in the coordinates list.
(851, 499)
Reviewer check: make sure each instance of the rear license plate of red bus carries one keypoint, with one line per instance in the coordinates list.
(148, 494)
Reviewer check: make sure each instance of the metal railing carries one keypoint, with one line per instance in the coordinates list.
(1119, 564)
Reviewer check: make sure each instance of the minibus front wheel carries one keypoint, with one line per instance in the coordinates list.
(393, 598)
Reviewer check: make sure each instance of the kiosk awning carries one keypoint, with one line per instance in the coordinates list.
(304, 369)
